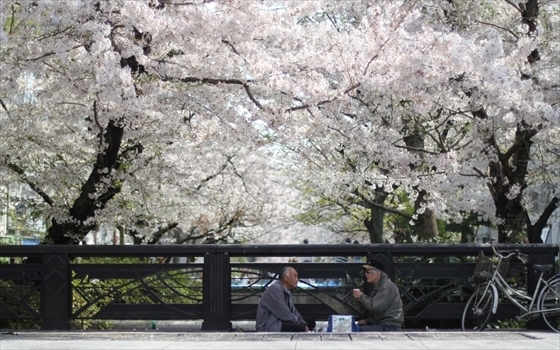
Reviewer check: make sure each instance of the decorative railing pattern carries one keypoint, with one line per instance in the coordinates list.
(56, 284)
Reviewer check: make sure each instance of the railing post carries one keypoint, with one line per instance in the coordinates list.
(216, 289)
(533, 279)
(56, 292)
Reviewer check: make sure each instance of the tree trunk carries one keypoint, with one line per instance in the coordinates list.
(511, 212)
(94, 194)
(534, 231)
(467, 234)
(374, 224)
(509, 175)
(426, 224)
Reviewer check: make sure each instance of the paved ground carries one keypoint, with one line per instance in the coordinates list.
(158, 340)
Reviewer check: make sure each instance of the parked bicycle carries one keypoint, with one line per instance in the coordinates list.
(545, 301)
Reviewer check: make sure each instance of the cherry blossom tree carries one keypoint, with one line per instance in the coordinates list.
(134, 110)
(119, 125)
(431, 118)
(522, 182)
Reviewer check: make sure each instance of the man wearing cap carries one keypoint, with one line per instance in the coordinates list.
(383, 304)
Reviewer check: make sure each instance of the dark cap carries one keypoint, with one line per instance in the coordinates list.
(374, 264)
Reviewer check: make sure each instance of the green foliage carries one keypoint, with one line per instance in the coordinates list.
(11, 20)
(78, 301)
(173, 287)
(106, 260)
(444, 236)
(432, 290)
(90, 296)
(335, 215)
(400, 227)
(510, 324)
(22, 298)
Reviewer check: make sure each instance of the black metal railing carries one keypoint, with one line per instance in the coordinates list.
(62, 284)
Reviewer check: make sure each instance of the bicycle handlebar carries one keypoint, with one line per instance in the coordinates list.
(506, 254)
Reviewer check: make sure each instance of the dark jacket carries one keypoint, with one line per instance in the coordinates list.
(273, 309)
(384, 305)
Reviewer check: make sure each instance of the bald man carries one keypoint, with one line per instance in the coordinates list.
(276, 311)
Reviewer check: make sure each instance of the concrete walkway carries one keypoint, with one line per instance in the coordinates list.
(157, 340)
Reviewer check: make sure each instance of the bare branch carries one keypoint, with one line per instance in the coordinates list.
(213, 81)
(229, 160)
(499, 27)
(71, 103)
(550, 208)
(4, 106)
(514, 5)
(13, 19)
(520, 141)
(51, 54)
(50, 35)
(188, 3)
(28, 181)
(212, 176)
(333, 22)
(96, 119)
(381, 206)
(232, 47)
(338, 131)
(156, 236)
(478, 171)
(297, 108)
(387, 40)
(415, 149)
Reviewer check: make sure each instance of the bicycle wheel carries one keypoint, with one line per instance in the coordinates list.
(478, 310)
(549, 304)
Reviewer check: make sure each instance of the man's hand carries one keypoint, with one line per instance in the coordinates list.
(306, 328)
(361, 322)
(357, 293)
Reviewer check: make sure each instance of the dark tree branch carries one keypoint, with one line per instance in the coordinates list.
(418, 150)
(96, 118)
(52, 53)
(94, 193)
(514, 5)
(231, 46)
(156, 236)
(107, 160)
(212, 176)
(521, 141)
(18, 170)
(534, 231)
(213, 81)
(499, 27)
(4, 106)
(305, 106)
(387, 40)
(380, 206)
(550, 208)
(240, 176)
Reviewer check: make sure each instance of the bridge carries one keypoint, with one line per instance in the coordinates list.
(57, 286)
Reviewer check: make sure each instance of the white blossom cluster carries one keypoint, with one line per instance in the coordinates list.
(207, 92)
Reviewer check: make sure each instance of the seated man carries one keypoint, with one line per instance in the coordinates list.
(276, 311)
(383, 304)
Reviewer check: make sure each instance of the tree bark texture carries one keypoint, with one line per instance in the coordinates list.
(94, 193)
(374, 224)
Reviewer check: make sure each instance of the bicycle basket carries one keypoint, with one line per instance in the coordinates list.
(485, 267)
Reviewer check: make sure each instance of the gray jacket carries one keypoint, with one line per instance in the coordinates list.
(273, 309)
(384, 303)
